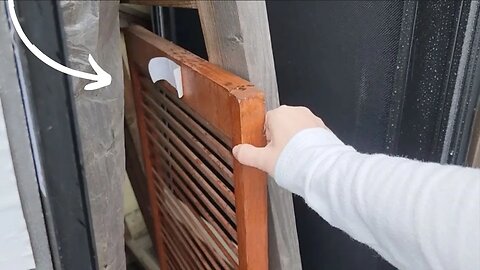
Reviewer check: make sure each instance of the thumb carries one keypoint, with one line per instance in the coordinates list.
(252, 156)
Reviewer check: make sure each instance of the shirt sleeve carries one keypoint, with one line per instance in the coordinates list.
(416, 215)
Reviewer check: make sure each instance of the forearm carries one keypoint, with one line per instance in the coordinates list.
(416, 215)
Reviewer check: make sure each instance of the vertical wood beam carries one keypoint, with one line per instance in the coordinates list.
(237, 37)
(158, 236)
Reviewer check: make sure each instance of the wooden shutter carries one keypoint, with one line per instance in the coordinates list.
(209, 211)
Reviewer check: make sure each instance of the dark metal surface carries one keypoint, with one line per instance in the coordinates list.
(65, 199)
(382, 75)
(465, 101)
(436, 50)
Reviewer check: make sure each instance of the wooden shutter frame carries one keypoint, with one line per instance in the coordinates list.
(241, 119)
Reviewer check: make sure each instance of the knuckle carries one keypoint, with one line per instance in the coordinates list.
(272, 114)
(282, 108)
(269, 113)
(304, 109)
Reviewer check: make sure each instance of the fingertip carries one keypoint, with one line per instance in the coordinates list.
(235, 150)
(250, 155)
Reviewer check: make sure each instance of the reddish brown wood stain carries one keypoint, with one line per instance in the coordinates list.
(208, 210)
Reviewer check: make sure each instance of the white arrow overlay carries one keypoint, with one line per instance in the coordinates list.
(101, 78)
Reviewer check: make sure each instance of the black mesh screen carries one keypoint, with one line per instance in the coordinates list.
(339, 59)
(380, 74)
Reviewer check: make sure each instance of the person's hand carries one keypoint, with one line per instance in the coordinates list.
(281, 125)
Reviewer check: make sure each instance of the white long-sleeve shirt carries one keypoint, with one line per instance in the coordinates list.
(416, 215)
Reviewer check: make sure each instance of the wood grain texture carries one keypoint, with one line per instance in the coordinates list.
(137, 179)
(164, 3)
(157, 226)
(237, 38)
(209, 211)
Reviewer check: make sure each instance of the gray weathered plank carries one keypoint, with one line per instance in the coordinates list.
(92, 27)
(237, 38)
